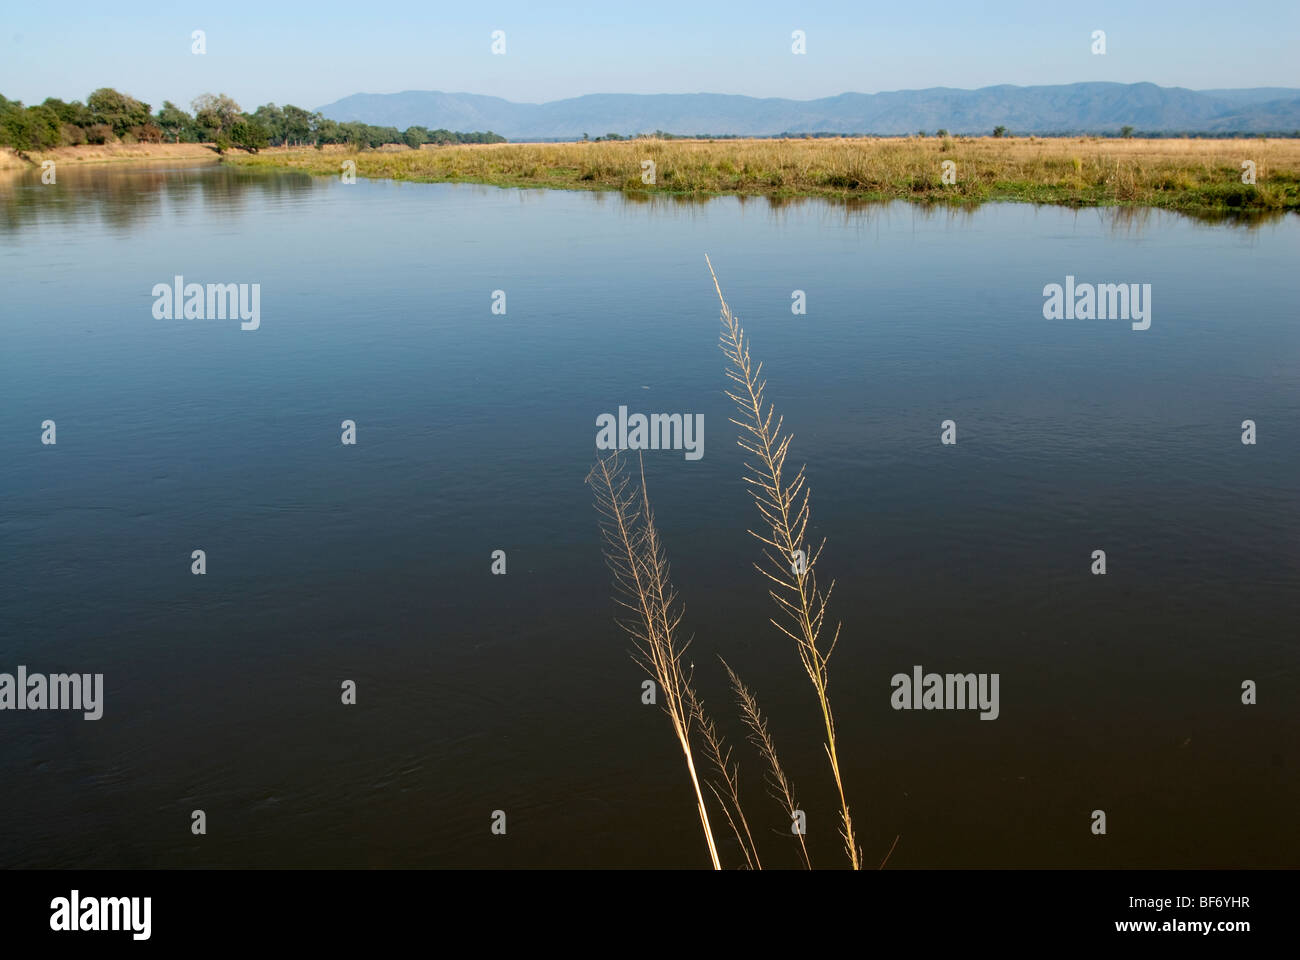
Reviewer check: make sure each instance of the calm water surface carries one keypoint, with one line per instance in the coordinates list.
(480, 692)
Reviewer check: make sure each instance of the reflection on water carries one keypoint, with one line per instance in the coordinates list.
(371, 563)
(121, 194)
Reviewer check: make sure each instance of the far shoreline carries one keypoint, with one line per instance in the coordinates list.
(12, 161)
(1200, 177)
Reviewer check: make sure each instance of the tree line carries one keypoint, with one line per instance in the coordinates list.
(108, 116)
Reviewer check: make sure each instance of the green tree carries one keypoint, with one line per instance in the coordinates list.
(271, 119)
(999, 131)
(29, 128)
(298, 125)
(247, 134)
(353, 133)
(382, 135)
(174, 122)
(326, 131)
(117, 110)
(16, 126)
(74, 112)
(215, 114)
(1126, 131)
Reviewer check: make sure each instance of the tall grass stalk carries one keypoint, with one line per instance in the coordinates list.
(759, 736)
(719, 755)
(782, 503)
(636, 557)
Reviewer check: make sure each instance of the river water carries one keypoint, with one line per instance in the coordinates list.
(474, 335)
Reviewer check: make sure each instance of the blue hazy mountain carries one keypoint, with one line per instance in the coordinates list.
(1068, 108)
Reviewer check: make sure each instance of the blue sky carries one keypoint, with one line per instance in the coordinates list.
(311, 54)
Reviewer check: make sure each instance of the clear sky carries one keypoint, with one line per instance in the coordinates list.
(313, 53)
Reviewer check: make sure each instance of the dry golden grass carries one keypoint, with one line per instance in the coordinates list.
(1190, 174)
(640, 566)
(108, 153)
(639, 563)
(719, 755)
(778, 783)
(791, 561)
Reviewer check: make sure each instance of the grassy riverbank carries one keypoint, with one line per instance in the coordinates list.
(106, 153)
(1189, 175)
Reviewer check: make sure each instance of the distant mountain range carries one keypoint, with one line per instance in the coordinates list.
(1070, 108)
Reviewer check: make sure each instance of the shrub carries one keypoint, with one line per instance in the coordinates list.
(147, 133)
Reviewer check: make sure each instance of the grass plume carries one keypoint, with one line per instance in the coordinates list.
(778, 782)
(719, 754)
(782, 502)
(637, 559)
